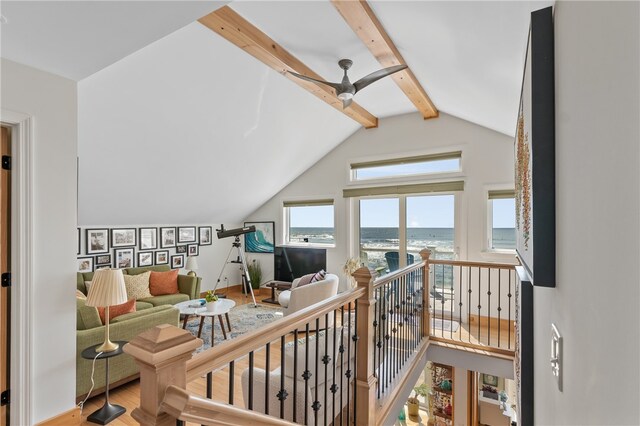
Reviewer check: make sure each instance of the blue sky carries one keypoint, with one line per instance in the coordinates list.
(431, 211)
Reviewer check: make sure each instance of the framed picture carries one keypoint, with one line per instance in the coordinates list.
(167, 237)
(162, 257)
(534, 148)
(206, 235)
(488, 379)
(103, 259)
(177, 261)
(97, 241)
(123, 237)
(181, 248)
(187, 234)
(124, 258)
(148, 238)
(261, 241)
(79, 240)
(145, 258)
(102, 267)
(85, 264)
(192, 250)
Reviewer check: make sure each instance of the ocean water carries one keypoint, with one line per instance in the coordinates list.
(376, 241)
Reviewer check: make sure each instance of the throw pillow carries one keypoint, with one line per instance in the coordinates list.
(87, 285)
(319, 276)
(137, 286)
(305, 279)
(80, 295)
(163, 282)
(117, 310)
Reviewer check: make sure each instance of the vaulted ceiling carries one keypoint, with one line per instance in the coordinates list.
(169, 107)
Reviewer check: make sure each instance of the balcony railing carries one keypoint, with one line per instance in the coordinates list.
(345, 360)
(473, 303)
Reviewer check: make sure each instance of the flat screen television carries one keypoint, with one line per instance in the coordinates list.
(293, 262)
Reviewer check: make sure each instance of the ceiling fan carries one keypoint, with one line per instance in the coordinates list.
(345, 90)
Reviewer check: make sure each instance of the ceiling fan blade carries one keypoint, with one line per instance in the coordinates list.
(376, 75)
(313, 80)
(346, 103)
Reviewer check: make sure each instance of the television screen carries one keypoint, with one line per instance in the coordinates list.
(294, 262)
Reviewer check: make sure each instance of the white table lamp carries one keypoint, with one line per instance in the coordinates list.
(192, 265)
(107, 289)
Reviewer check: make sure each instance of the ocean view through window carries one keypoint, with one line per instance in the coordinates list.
(502, 207)
(310, 222)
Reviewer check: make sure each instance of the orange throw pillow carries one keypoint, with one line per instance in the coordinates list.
(117, 310)
(163, 282)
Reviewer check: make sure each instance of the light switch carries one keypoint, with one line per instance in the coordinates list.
(556, 355)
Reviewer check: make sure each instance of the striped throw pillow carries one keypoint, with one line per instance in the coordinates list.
(319, 276)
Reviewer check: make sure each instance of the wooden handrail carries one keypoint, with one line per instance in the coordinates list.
(476, 264)
(385, 279)
(182, 405)
(221, 355)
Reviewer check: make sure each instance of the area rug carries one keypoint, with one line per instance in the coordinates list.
(445, 325)
(244, 318)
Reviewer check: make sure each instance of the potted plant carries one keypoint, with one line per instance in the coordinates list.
(352, 264)
(211, 300)
(255, 274)
(413, 403)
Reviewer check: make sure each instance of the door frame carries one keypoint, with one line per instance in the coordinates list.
(22, 260)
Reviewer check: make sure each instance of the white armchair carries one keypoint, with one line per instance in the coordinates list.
(300, 297)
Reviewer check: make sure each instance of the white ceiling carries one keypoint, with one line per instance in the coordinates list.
(74, 39)
(195, 128)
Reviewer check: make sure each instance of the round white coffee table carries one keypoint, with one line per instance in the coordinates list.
(221, 307)
(189, 308)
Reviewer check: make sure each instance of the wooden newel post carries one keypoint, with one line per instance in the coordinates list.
(161, 353)
(365, 379)
(426, 318)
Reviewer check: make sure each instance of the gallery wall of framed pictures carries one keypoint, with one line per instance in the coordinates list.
(129, 247)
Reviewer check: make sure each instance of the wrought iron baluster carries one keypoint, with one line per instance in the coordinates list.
(325, 360)
(267, 368)
(209, 384)
(509, 298)
(334, 387)
(231, 381)
(348, 373)
(355, 361)
(460, 303)
(488, 306)
(479, 305)
(250, 381)
(295, 374)
(316, 403)
(341, 363)
(499, 301)
(282, 394)
(469, 291)
(442, 303)
(307, 374)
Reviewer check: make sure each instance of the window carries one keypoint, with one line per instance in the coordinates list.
(502, 220)
(379, 231)
(407, 166)
(309, 222)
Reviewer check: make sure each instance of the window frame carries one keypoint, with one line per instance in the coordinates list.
(488, 231)
(307, 202)
(450, 152)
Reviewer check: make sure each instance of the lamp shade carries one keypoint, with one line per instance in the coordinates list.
(192, 263)
(107, 288)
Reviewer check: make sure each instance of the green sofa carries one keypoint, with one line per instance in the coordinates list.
(149, 313)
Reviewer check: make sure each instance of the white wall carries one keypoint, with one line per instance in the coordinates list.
(51, 102)
(211, 258)
(487, 160)
(595, 303)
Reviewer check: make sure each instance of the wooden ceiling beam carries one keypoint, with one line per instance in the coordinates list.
(362, 20)
(233, 27)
